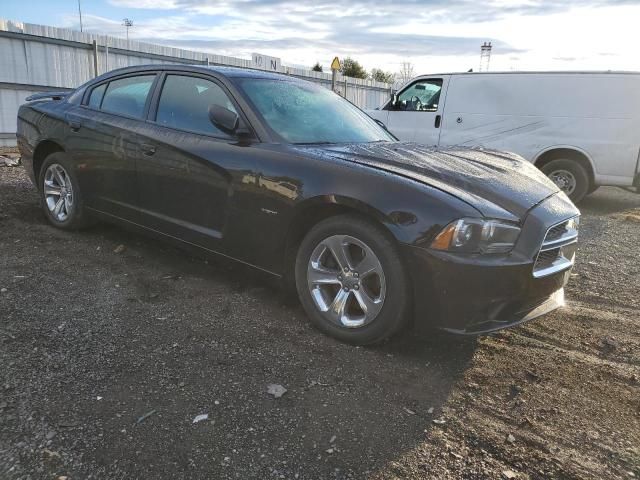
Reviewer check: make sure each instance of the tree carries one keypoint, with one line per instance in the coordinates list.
(406, 72)
(351, 68)
(380, 75)
(317, 67)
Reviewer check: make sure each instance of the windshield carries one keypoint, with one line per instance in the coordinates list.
(307, 113)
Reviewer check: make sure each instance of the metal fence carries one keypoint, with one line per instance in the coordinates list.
(36, 58)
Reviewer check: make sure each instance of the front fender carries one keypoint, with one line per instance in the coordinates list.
(412, 212)
(282, 192)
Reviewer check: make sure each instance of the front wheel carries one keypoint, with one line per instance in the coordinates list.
(351, 280)
(569, 176)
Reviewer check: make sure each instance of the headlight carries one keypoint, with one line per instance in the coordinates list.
(476, 235)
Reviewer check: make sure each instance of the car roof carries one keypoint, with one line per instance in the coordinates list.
(231, 72)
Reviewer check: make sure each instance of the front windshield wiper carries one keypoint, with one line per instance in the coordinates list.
(314, 143)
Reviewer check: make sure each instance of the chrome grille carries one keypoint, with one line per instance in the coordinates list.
(557, 251)
(546, 258)
(556, 232)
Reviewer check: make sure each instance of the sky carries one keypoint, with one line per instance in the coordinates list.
(433, 35)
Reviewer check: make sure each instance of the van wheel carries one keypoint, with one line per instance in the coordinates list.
(351, 280)
(60, 193)
(569, 176)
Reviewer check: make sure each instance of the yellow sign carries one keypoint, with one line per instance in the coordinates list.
(335, 65)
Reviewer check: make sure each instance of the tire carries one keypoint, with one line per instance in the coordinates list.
(56, 175)
(592, 189)
(386, 291)
(570, 176)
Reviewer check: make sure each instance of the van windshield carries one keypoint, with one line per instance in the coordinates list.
(302, 112)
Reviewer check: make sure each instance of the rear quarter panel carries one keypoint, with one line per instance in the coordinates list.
(27, 134)
(39, 121)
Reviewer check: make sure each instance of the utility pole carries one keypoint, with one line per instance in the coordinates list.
(80, 13)
(127, 23)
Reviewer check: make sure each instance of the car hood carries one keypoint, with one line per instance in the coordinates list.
(486, 179)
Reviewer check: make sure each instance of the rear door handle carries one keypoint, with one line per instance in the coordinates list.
(147, 149)
(436, 124)
(74, 125)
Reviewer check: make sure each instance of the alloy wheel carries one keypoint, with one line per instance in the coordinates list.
(346, 281)
(58, 192)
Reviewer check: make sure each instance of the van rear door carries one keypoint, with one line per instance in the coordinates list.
(417, 113)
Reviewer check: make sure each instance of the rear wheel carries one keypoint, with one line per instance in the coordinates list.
(61, 197)
(569, 176)
(351, 280)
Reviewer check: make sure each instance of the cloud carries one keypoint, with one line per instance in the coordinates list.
(565, 59)
(449, 11)
(357, 28)
(148, 4)
(153, 29)
(346, 43)
(434, 34)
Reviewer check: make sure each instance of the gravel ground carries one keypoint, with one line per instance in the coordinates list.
(108, 354)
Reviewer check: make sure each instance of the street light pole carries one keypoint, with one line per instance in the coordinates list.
(80, 13)
(127, 23)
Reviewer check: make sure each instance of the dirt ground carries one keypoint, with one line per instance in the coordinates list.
(108, 355)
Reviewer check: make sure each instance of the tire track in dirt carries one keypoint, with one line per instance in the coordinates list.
(606, 343)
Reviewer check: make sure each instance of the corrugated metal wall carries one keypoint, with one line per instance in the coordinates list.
(10, 100)
(36, 58)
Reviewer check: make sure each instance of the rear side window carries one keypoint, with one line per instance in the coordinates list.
(185, 101)
(96, 96)
(127, 96)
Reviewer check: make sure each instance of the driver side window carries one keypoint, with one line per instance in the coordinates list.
(185, 101)
(421, 96)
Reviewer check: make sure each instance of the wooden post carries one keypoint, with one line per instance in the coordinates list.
(106, 53)
(95, 58)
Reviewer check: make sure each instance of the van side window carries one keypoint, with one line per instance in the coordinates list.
(128, 96)
(185, 101)
(421, 96)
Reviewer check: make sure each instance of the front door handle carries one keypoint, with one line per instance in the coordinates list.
(148, 149)
(74, 125)
(436, 124)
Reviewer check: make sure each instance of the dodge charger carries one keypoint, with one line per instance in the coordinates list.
(281, 174)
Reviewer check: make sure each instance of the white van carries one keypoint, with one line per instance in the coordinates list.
(581, 128)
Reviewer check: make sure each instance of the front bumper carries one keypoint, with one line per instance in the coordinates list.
(474, 294)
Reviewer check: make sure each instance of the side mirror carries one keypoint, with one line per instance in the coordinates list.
(224, 119)
(394, 101)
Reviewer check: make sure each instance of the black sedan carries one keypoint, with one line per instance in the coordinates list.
(286, 176)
